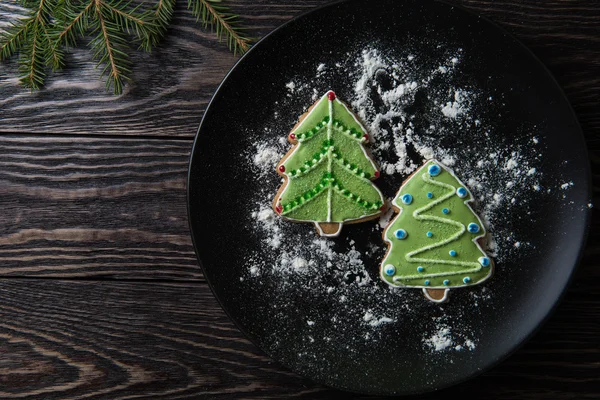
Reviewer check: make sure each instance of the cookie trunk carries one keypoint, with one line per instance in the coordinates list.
(436, 295)
(330, 229)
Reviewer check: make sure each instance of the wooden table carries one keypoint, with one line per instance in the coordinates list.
(101, 295)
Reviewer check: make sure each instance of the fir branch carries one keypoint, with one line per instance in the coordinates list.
(36, 53)
(12, 40)
(140, 25)
(51, 27)
(55, 56)
(222, 21)
(109, 47)
(72, 22)
(163, 14)
(30, 38)
(31, 62)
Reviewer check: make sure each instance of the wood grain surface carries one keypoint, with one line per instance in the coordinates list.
(74, 339)
(101, 296)
(84, 207)
(172, 89)
(169, 97)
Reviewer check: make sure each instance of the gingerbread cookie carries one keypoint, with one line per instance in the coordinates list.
(435, 240)
(328, 172)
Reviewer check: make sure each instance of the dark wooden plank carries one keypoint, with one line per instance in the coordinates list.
(98, 207)
(73, 215)
(174, 84)
(83, 207)
(74, 339)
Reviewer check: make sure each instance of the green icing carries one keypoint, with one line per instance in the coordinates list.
(449, 231)
(329, 171)
(319, 205)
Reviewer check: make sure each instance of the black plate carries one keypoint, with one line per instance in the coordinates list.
(318, 306)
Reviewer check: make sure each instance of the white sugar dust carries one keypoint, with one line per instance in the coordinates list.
(385, 93)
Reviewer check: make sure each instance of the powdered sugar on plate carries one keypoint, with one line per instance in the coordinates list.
(414, 110)
(447, 338)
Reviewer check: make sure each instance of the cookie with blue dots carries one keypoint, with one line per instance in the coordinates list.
(436, 242)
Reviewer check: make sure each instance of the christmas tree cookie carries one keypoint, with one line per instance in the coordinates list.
(328, 172)
(434, 241)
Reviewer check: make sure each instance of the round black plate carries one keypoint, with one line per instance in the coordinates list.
(492, 110)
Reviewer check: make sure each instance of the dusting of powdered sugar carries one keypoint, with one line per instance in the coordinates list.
(446, 337)
(413, 111)
(440, 340)
(496, 173)
(443, 339)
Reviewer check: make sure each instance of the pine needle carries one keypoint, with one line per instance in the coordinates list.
(108, 48)
(72, 22)
(162, 14)
(29, 37)
(217, 17)
(12, 40)
(110, 23)
(51, 27)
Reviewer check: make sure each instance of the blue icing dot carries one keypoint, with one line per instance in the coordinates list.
(466, 279)
(430, 195)
(473, 227)
(452, 253)
(446, 211)
(400, 234)
(446, 282)
(389, 270)
(427, 282)
(429, 234)
(420, 269)
(407, 199)
(434, 170)
(461, 192)
(484, 261)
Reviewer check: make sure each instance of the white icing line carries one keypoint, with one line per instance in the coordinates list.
(397, 203)
(306, 171)
(301, 205)
(475, 266)
(340, 162)
(354, 202)
(362, 148)
(298, 146)
(340, 191)
(329, 157)
(364, 130)
(306, 139)
(347, 132)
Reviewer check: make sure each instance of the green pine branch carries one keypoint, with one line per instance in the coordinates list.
(51, 27)
(72, 22)
(217, 17)
(29, 37)
(163, 14)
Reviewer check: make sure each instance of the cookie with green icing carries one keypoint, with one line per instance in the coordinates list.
(328, 172)
(435, 240)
